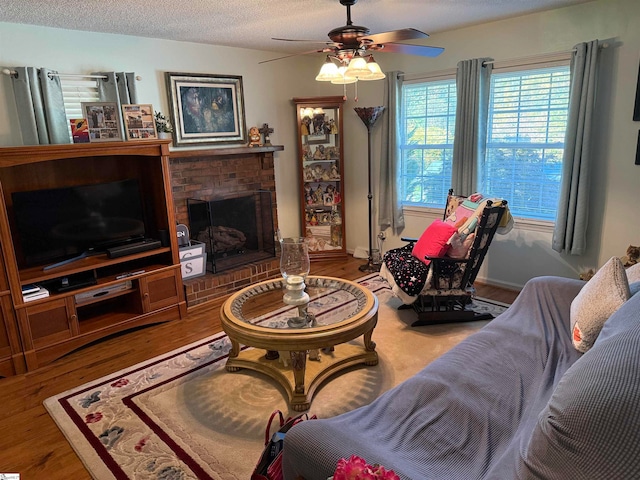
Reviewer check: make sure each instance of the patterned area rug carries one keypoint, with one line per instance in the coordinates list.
(182, 416)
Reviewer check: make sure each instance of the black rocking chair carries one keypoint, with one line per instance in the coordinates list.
(446, 284)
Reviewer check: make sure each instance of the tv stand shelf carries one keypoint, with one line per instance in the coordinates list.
(37, 274)
(36, 333)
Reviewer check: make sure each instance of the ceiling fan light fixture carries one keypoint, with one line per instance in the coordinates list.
(357, 69)
(342, 78)
(374, 68)
(328, 72)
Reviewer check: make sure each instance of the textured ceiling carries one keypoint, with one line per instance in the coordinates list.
(252, 23)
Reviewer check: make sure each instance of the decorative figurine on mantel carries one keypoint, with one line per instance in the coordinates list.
(254, 137)
(265, 130)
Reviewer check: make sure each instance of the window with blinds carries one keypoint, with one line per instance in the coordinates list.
(525, 140)
(425, 144)
(76, 90)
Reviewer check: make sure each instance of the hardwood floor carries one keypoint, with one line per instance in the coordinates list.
(30, 442)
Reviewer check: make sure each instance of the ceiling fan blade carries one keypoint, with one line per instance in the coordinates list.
(321, 42)
(395, 36)
(421, 50)
(297, 54)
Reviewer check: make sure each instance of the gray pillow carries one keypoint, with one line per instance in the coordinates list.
(590, 427)
(607, 291)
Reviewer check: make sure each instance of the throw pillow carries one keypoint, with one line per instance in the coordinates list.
(607, 291)
(460, 245)
(633, 273)
(433, 241)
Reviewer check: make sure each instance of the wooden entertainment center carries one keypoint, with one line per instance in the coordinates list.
(131, 290)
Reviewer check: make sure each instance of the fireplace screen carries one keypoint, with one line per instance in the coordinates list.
(235, 231)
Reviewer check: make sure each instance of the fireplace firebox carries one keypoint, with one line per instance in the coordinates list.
(236, 231)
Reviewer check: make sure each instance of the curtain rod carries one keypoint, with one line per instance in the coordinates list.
(540, 57)
(13, 73)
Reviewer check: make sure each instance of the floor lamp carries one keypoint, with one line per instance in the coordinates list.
(369, 115)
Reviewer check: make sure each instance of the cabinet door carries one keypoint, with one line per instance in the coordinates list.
(11, 358)
(321, 166)
(160, 290)
(49, 322)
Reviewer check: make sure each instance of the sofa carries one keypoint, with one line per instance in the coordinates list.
(516, 400)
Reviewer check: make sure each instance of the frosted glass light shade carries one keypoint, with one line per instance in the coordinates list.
(357, 69)
(374, 69)
(328, 72)
(343, 79)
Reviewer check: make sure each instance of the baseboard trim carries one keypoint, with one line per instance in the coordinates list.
(496, 283)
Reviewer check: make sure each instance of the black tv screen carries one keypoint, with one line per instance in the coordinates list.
(56, 224)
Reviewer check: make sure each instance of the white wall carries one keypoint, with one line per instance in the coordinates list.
(267, 91)
(269, 88)
(524, 253)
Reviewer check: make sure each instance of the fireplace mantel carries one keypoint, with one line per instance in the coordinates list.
(225, 152)
(219, 173)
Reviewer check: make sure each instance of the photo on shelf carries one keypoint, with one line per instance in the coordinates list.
(104, 121)
(139, 123)
(79, 130)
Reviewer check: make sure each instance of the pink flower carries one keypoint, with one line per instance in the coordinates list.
(357, 469)
(120, 383)
(93, 417)
(140, 445)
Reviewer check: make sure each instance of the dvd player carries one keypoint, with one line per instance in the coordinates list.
(131, 248)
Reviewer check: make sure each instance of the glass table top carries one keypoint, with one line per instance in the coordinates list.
(332, 300)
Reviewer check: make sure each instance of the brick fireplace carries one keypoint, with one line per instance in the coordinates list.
(217, 174)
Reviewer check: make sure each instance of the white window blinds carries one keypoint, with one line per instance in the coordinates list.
(525, 139)
(426, 141)
(76, 90)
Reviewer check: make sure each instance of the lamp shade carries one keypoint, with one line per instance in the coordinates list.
(328, 72)
(374, 69)
(342, 79)
(369, 115)
(357, 69)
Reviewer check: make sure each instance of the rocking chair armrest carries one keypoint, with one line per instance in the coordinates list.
(447, 259)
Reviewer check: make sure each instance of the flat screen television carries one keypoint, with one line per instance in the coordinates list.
(62, 223)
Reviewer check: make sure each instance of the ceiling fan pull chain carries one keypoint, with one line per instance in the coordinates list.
(344, 89)
(356, 85)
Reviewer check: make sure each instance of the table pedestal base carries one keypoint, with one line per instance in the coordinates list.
(302, 377)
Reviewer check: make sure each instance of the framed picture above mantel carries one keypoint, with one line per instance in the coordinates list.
(206, 109)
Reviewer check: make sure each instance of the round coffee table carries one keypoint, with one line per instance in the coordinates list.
(257, 317)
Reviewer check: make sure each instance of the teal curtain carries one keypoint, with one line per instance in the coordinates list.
(118, 87)
(473, 79)
(570, 230)
(389, 203)
(38, 96)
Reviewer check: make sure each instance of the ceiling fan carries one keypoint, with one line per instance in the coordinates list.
(349, 55)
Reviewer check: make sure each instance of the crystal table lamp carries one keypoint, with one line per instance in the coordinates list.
(294, 267)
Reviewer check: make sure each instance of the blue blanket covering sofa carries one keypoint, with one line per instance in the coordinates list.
(515, 400)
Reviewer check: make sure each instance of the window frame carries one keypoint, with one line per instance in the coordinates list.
(561, 59)
(445, 76)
